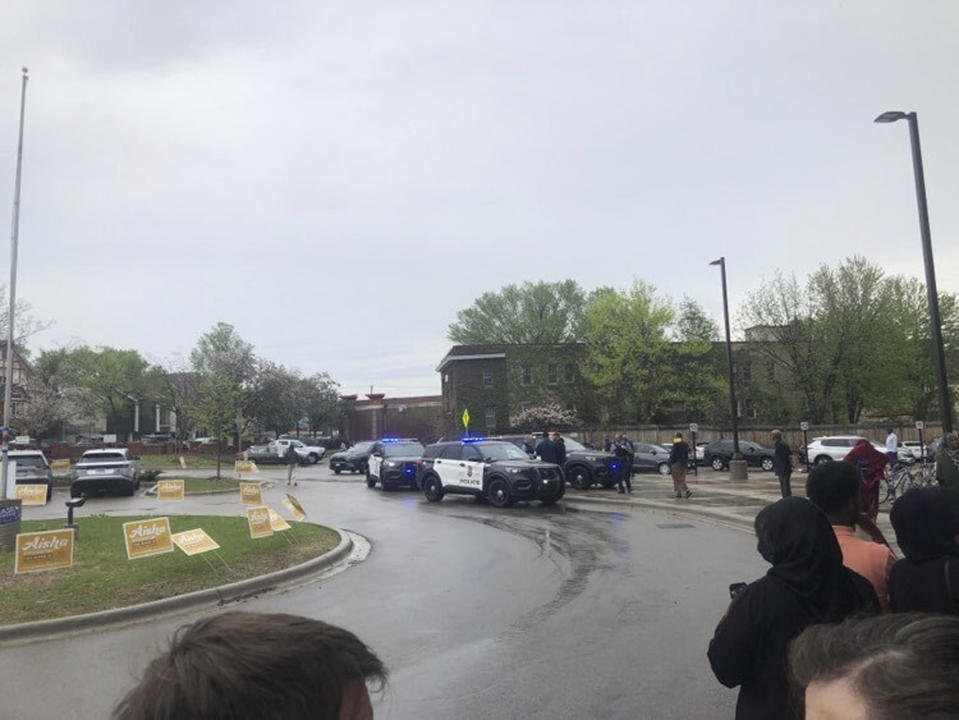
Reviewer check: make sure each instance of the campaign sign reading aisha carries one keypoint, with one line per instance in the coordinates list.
(147, 537)
(259, 520)
(170, 489)
(277, 522)
(251, 493)
(293, 505)
(32, 494)
(46, 550)
(194, 542)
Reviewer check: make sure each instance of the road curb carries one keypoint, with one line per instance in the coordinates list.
(71, 624)
(727, 518)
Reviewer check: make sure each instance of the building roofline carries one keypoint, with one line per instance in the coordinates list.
(449, 357)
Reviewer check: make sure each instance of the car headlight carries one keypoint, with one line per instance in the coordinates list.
(516, 471)
(390, 463)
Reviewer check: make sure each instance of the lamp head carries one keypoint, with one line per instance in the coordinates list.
(721, 261)
(891, 116)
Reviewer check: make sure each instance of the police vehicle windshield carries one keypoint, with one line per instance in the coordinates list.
(574, 445)
(402, 449)
(501, 451)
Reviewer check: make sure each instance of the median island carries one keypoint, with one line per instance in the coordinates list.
(103, 578)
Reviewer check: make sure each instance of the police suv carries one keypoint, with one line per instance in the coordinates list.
(584, 467)
(392, 462)
(492, 469)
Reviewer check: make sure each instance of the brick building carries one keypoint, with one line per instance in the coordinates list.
(379, 416)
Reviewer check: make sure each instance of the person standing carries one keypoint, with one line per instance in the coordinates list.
(529, 445)
(892, 448)
(678, 461)
(782, 462)
(624, 452)
(872, 464)
(291, 460)
(947, 462)
(560, 447)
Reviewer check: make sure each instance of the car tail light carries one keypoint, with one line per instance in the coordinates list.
(420, 462)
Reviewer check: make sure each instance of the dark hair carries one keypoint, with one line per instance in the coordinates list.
(902, 666)
(926, 521)
(833, 484)
(252, 665)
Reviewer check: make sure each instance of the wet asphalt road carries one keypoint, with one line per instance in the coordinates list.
(574, 611)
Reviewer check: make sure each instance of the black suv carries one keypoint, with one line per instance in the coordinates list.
(583, 467)
(719, 452)
(393, 462)
(353, 459)
(495, 470)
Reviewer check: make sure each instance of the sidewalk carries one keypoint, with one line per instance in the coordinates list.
(734, 503)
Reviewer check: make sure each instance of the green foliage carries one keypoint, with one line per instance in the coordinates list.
(319, 401)
(540, 312)
(222, 351)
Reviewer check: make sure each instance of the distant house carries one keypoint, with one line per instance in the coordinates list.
(379, 416)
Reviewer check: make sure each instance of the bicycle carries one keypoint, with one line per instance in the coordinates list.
(901, 478)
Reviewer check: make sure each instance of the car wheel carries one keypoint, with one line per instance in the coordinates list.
(370, 480)
(314, 458)
(663, 468)
(823, 459)
(580, 478)
(717, 463)
(766, 464)
(336, 471)
(499, 493)
(130, 490)
(74, 493)
(386, 487)
(433, 489)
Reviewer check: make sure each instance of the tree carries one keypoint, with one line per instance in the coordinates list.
(319, 401)
(540, 312)
(218, 404)
(272, 401)
(222, 351)
(42, 412)
(548, 415)
(697, 384)
(627, 351)
(25, 324)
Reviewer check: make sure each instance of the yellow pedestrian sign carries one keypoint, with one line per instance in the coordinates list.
(466, 419)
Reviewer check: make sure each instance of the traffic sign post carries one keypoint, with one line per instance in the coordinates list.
(693, 429)
(920, 426)
(804, 426)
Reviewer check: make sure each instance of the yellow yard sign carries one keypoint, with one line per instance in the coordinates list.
(59, 465)
(32, 494)
(259, 520)
(170, 489)
(47, 550)
(277, 522)
(182, 461)
(194, 542)
(245, 466)
(251, 493)
(144, 538)
(293, 506)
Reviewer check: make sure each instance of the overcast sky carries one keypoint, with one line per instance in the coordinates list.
(338, 179)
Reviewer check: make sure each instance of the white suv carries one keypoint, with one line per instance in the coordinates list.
(834, 447)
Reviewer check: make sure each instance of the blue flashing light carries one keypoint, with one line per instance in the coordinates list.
(473, 439)
(390, 439)
(614, 466)
(409, 470)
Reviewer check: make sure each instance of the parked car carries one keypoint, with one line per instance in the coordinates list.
(700, 451)
(393, 462)
(915, 449)
(311, 451)
(353, 459)
(33, 469)
(156, 439)
(495, 470)
(275, 452)
(105, 472)
(719, 452)
(650, 457)
(833, 447)
(583, 466)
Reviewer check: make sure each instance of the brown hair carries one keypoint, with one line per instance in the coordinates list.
(252, 665)
(903, 666)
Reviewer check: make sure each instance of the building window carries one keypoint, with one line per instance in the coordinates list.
(747, 371)
(527, 375)
(490, 417)
(446, 378)
(570, 372)
(487, 378)
(749, 408)
(552, 374)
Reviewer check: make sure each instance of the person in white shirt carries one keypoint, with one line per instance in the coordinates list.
(892, 447)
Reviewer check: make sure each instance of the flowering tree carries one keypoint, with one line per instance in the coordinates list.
(544, 416)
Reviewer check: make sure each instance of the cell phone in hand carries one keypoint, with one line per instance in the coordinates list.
(735, 589)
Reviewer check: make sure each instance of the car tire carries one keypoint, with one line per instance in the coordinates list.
(74, 493)
(433, 489)
(336, 471)
(821, 459)
(580, 477)
(370, 480)
(128, 492)
(499, 493)
(717, 463)
(663, 468)
(314, 458)
(766, 464)
(387, 487)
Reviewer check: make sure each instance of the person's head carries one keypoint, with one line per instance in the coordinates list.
(952, 441)
(678, 438)
(621, 437)
(795, 537)
(552, 434)
(926, 521)
(530, 439)
(889, 431)
(252, 665)
(886, 667)
(776, 435)
(834, 488)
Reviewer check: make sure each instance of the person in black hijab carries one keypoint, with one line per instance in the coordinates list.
(926, 521)
(807, 584)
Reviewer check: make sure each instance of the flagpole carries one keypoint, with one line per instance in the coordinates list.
(14, 237)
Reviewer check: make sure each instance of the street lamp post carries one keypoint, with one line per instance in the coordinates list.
(945, 401)
(737, 466)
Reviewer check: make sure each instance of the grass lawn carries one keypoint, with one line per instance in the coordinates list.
(202, 485)
(102, 577)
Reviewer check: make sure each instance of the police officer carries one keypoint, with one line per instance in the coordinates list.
(624, 451)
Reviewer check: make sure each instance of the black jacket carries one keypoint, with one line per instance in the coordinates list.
(679, 453)
(782, 465)
(291, 456)
(925, 586)
(552, 452)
